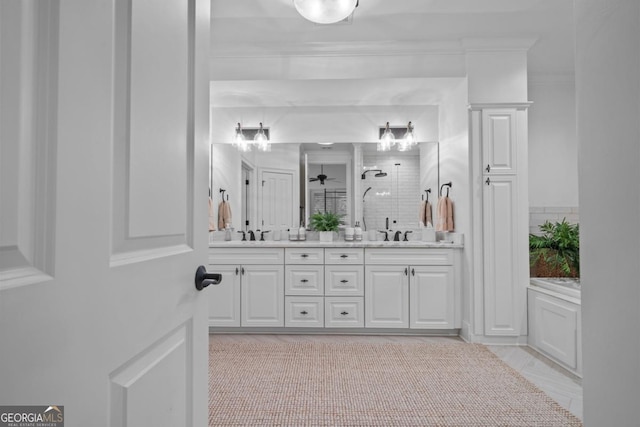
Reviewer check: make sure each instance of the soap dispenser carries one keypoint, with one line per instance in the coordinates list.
(358, 231)
(302, 232)
(227, 233)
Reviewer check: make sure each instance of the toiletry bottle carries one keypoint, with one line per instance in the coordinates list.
(302, 233)
(358, 231)
(227, 233)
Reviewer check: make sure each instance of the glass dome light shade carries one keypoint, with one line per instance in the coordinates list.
(325, 11)
(261, 141)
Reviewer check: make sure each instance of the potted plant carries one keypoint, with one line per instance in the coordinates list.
(325, 223)
(555, 253)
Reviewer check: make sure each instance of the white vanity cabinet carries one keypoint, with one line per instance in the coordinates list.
(411, 288)
(256, 287)
(336, 288)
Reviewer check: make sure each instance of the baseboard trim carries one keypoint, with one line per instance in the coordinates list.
(337, 331)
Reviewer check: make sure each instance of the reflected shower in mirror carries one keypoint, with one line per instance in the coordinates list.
(394, 183)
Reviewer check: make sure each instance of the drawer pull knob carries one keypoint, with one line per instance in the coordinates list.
(344, 256)
(344, 281)
(488, 168)
(304, 281)
(344, 313)
(304, 313)
(304, 255)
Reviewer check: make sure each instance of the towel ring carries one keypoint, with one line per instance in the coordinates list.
(448, 185)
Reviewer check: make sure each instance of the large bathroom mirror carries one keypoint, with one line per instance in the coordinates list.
(281, 188)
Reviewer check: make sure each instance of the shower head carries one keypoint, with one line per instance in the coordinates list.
(365, 193)
(380, 174)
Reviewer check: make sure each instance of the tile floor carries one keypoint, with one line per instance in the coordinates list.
(559, 384)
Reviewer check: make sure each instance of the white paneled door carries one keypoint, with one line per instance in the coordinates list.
(277, 200)
(104, 128)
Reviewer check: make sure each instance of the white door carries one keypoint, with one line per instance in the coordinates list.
(432, 297)
(277, 201)
(503, 293)
(104, 128)
(386, 296)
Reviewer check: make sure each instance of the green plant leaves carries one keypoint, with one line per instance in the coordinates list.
(558, 246)
(327, 221)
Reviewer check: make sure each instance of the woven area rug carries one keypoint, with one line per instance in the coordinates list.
(380, 384)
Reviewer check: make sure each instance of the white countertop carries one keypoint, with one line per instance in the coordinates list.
(334, 244)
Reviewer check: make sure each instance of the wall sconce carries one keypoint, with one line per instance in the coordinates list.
(388, 140)
(240, 140)
(246, 138)
(325, 11)
(261, 140)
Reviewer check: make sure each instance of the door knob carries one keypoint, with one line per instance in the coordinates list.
(204, 279)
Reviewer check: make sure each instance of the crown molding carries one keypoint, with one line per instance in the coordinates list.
(501, 44)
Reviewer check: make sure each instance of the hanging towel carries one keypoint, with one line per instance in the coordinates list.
(445, 214)
(224, 215)
(450, 226)
(425, 214)
(212, 218)
(422, 213)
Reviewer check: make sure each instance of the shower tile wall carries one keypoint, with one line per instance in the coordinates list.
(538, 216)
(396, 196)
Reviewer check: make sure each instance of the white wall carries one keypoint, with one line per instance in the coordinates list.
(553, 146)
(455, 167)
(608, 117)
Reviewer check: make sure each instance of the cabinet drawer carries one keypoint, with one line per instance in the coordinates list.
(402, 256)
(344, 256)
(304, 255)
(345, 280)
(304, 280)
(344, 312)
(305, 312)
(226, 256)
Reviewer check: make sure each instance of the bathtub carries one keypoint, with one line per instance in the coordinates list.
(555, 320)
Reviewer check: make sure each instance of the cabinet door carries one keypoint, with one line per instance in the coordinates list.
(386, 296)
(432, 297)
(503, 294)
(224, 298)
(262, 295)
(499, 141)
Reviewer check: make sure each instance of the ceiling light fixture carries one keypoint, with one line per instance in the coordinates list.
(325, 11)
(261, 140)
(386, 140)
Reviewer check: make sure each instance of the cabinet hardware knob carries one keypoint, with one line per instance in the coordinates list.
(488, 181)
(304, 255)
(304, 281)
(406, 271)
(488, 168)
(344, 256)
(344, 281)
(344, 313)
(237, 271)
(413, 272)
(304, 313)
(242, 271)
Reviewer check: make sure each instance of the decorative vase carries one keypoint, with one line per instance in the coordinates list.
(326, 236)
